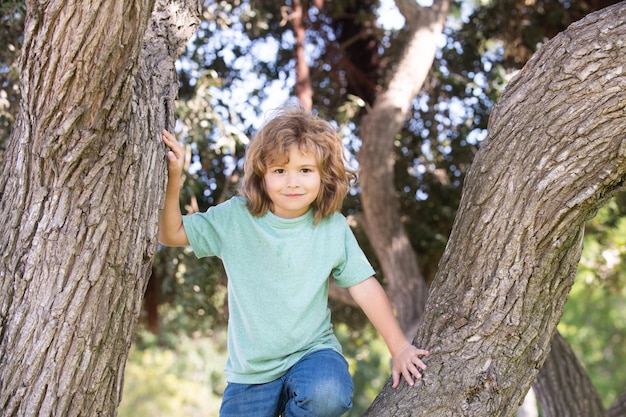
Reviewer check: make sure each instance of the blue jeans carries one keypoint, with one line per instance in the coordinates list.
(318, 385)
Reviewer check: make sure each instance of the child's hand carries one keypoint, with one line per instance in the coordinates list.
(408, 363)
(175, 156)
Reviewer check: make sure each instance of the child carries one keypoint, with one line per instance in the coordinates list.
(279, 241)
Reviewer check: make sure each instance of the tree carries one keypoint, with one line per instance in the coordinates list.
(560, 377)
(80, 195)
(553, 156)
(382, 221)
(86, 177)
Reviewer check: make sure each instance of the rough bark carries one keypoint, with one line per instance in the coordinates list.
(79, 197)
(563, 386)
(555, 153)
(382, 222)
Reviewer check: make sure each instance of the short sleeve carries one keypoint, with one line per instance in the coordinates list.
(208, 231)
(354, 266)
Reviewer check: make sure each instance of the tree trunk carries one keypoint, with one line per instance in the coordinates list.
(563, 386)
(303, 88)
(555, 153)
(80, 196)
(382, 222)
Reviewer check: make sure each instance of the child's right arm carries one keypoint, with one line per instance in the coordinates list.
(171, 230)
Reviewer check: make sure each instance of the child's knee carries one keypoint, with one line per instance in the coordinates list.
(323, 399)
(332, 399)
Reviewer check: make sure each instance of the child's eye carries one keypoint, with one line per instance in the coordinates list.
(279, 170)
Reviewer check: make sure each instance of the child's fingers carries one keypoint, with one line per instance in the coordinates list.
(395, 378)
(168, 138)
(175, 147)
(409, 366)
(175, 154)
(419, 363)
(422, 352)
(171, 156)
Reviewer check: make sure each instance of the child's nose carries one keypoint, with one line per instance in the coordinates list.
(292, 179)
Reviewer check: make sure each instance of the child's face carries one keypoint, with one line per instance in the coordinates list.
(293, 186)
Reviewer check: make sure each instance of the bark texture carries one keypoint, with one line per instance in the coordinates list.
(80, 195)
(555, 152)
(382, 222)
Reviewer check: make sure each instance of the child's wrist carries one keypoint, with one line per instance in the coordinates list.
(399, 347)
(174, 175)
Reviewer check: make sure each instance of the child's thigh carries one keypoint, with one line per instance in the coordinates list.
(252, 400)
(319, 385)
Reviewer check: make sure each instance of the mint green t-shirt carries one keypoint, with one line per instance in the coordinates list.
(278, 274)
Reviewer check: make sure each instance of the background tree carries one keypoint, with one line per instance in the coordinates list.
(382, 220)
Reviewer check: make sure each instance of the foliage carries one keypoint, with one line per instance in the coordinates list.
(193, 302)
(11, 32)
(369, 362)
(183, 380)
(593, 321)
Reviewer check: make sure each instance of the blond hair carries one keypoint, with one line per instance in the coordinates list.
(312, 135)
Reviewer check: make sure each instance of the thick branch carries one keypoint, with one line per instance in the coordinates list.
(555, 153)
(81, 202)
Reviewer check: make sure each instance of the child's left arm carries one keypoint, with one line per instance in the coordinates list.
(371, 297)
